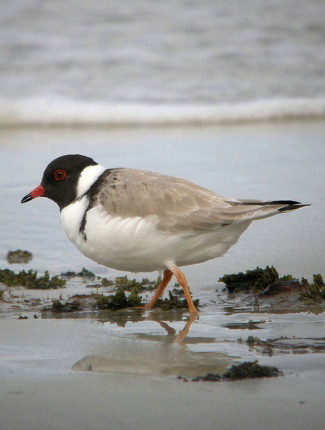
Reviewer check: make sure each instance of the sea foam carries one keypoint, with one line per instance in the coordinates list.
(67, 112)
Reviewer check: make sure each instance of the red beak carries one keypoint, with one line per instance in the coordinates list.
(37, 192)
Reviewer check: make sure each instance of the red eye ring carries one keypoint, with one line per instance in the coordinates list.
(59, 174)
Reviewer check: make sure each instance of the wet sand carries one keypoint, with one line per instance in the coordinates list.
(119, 369)
(39, 398)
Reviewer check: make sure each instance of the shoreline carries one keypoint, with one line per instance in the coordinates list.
(64, 113)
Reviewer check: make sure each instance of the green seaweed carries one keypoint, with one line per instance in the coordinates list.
(246, 370)
(134, 299)
(250, 369)
(253, 280)
(30, 279)
(19, 256)
(84, 273)
(56, 306)
(106, 282)
(314, 292)
(127, 284)
(267, 282)
(252, 340)
(59, 307)
(286, 278)
(177, 291)
(174, 302)
(119, 300)
(120, 281)
(209, 377)
(130, 284)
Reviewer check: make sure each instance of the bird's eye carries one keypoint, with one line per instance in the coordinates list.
(59, 174)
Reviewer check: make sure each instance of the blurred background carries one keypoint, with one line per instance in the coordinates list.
(176, 61)
(227, 94)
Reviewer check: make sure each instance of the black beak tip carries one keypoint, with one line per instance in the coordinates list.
(27, 198)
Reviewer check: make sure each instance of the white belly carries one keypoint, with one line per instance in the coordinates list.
(136, 245)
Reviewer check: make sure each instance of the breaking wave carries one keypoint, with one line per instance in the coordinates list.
(65, 112)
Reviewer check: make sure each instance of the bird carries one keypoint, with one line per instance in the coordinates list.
(140, 221)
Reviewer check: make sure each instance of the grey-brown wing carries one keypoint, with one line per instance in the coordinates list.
(179, 205)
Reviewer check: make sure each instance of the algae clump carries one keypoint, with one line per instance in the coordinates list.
(84, 273)
(174, 302)
(119, 300)
(268, 282)
(132, 284)
(30, 279)
(314, 292)
(250, 370)
(246, 370)
(256, 279)
(253, 280)
(59, 307)
(19, 256)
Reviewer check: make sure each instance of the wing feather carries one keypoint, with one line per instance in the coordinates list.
(179, 205)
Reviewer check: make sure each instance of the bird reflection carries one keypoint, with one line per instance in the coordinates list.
(142, 347)
(180, 337)
(121, 318)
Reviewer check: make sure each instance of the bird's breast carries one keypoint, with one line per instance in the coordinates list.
(123, 243)
(73, 217)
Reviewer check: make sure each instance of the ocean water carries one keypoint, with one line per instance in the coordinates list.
(108, 62)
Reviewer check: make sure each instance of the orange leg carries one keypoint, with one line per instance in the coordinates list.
(163, 284)
(182, 281)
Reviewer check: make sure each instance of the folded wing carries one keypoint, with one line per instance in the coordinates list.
(179, 206)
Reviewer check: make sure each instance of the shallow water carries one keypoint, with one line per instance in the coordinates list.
(148, 343)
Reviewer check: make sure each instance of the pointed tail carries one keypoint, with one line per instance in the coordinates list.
(289, 205)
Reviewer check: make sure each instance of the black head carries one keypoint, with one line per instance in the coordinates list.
(60, 179)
